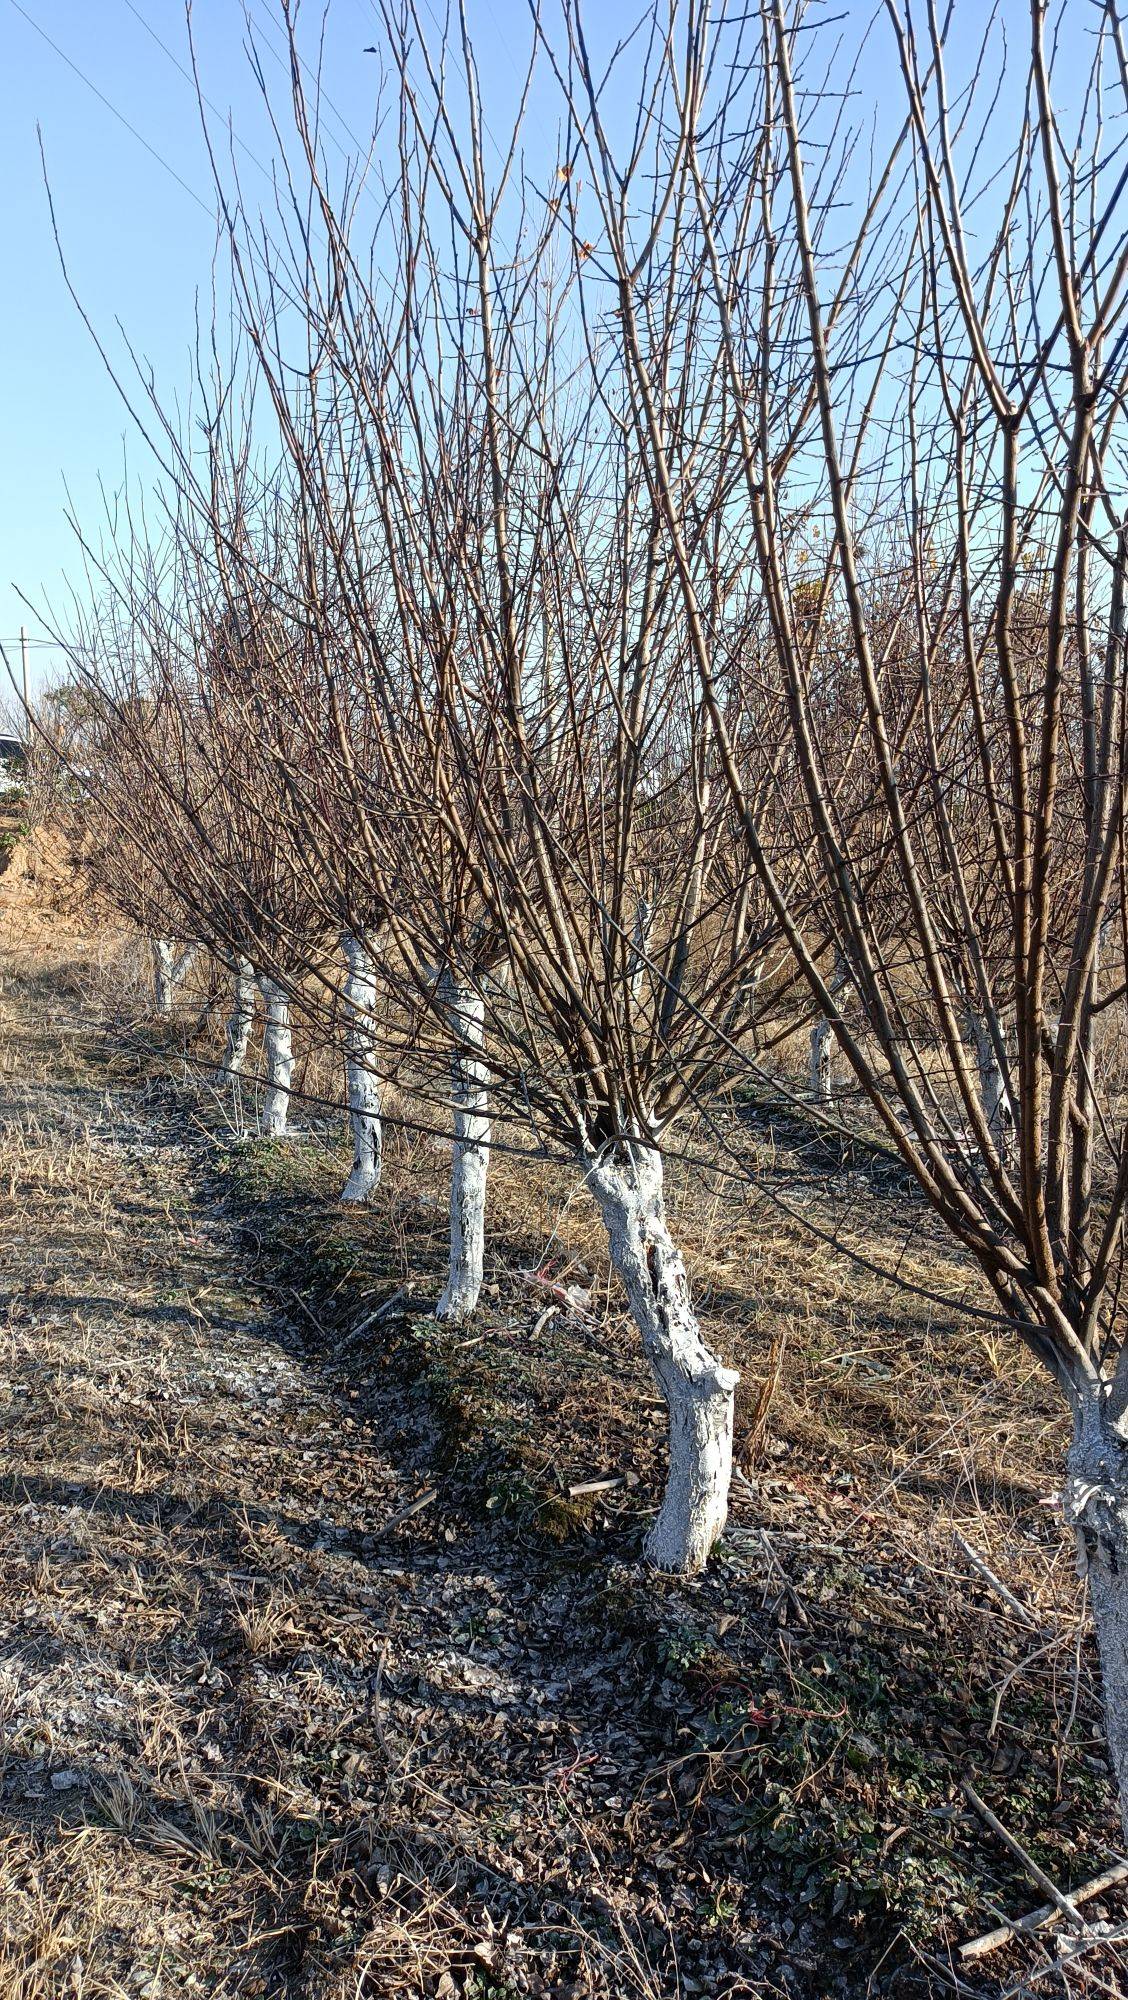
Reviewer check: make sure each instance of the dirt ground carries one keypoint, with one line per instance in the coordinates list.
(318, 1679)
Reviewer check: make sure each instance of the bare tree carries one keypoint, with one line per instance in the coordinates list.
(927, 373)
(539, 763)
(104, 828)
(190, 802)
(241, 1018)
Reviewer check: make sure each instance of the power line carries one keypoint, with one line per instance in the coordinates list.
(283, 63)
(112, 108)
(212, 212)
(437, 24)
(314, 77)
(209, 209)
(191, 80)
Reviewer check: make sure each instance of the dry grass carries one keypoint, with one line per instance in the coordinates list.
(268, 1731)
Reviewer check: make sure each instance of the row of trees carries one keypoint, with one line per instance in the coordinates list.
(644, 603)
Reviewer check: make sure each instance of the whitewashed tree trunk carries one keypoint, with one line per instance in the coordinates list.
(465, 1012)
(822, 1042)
(640, 945)
(278, 1049)
(820, 1062)
(240, 1020)
(169, 968)
(992, 1089)
(698, 1389)
(1096, 1507)
(162, 956)
(363, 1084)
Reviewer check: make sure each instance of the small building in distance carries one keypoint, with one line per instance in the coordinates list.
(13, 762)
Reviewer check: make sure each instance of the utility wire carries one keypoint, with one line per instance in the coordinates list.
(192, 193)
(112, 108)
(191, 80)
(283, 62)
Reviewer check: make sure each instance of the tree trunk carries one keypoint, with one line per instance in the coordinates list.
(162, 956)
(240, 1020)
(822, 1043)
(820, 1062)
(1096, 1506)
(469, 1090)
(169, 967)
(698, 1389)
(209, 1008)
(992, 1087)
(640, 945)
(363, 1084)
(279, 1059)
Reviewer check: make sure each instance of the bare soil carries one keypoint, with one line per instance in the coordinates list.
(318, 1680)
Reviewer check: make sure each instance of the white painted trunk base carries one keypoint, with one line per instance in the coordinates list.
(822, 1043)
(1096, 1507)
(697, 1388)
(163, 982)
(470, 1160)
(820, 1063)
(169, 968)
(992, 1090)
(278, 1050)
(240, 1021)
(363, 1084)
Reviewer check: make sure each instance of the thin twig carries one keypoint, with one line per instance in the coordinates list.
(1047, 1913)
(1062, 1903)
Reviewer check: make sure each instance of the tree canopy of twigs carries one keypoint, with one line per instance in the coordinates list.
(688, 606)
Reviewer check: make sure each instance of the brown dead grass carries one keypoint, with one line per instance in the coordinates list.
(267, 1730)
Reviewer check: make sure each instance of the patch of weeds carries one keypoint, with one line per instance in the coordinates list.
(512, 1494)
(480, 1986)
(262, 1168)
(560, 1518)
(681, 1651)
(469, 1394)
(478, 1393)
(459, 1388)
(839, 1772)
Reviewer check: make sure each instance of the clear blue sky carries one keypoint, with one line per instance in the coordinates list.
(140, 243)
(139, 246)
